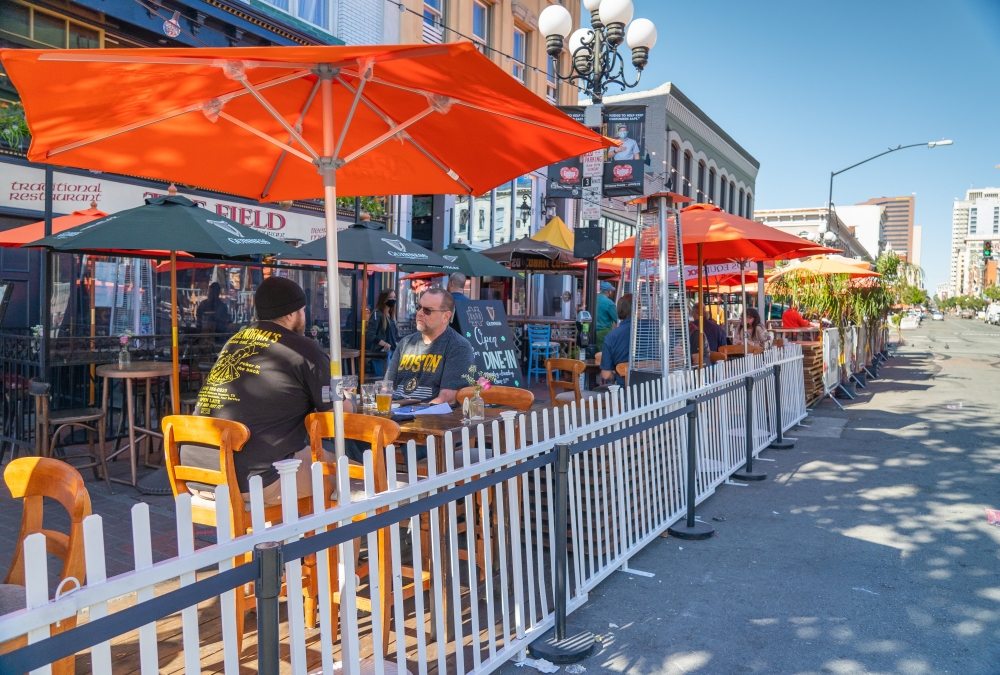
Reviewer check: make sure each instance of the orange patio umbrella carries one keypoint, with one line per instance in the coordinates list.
(280, 123)
(25, 234)
(824, 265)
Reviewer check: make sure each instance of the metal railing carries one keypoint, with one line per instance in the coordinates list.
(461, 558)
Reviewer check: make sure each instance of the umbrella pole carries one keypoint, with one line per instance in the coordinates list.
(746, 306)
(174, 355)
(701, 308)
(364, 321)
(329, 172)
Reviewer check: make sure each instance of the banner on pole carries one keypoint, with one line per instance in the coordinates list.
(623, 170)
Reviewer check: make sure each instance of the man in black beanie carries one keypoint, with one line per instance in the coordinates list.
(269, 376)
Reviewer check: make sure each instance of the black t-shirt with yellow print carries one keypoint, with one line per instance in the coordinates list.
(420, 370)
(269, 378)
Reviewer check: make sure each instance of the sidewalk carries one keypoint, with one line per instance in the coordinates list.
(867, 550)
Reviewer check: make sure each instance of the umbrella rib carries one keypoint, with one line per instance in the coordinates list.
(284, 153)
(371, 145)
(365, 76)
(278, 116)
(391, 122)
(270, 139)
(460, 102)
(225, 98)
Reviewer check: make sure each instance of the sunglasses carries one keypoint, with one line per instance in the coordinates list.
(428, 310)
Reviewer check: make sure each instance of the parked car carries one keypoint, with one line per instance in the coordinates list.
(967, 314)
(937, 316)
(993, 314)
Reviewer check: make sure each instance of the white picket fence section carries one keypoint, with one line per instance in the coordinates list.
(485, 559)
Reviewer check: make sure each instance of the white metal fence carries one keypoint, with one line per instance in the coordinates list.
(458, 582)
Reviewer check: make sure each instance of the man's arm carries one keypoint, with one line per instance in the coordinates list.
(457, 361)
(445, 396)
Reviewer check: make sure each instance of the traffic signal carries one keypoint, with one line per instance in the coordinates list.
(987, 249)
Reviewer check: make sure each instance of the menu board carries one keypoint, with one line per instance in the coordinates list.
(484, 324)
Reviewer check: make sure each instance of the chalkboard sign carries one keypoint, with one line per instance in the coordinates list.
(484, 324)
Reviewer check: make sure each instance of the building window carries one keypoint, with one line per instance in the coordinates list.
(517, 69)
(701, 182)
(552, 82)
(481, 26)
(740, 212)
(996, 220)
(687, 174)
(675, 153)
(749, 206)
(316, 12)
(732, 197)
(433, 21)
(722, 193)
(972, 220)
(711, 186)
(50, 30)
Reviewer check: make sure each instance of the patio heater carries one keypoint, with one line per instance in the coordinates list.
(659, 310)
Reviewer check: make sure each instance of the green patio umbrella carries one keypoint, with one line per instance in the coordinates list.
(367, 244)
(471, 263)
(172, 223)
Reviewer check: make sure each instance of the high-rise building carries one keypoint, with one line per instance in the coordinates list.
(898, 223)
(974, 220)
(918, 244)
(867, 223)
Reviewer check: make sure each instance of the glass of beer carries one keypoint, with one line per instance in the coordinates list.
(383, 396)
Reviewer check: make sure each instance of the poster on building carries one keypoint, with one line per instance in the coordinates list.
(484, 324)
(565, 178)
(623, 170)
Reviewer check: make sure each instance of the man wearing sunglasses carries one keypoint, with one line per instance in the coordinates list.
(428, 365)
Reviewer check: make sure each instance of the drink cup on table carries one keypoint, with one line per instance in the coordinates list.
(383, 396)
(368, 396)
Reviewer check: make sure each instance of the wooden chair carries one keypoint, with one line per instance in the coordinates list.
(378, 432)
(717, 356)
(229, 437)
(622, 370)
(512, 397)
(570, 388)
(90, 419)
(33, 479)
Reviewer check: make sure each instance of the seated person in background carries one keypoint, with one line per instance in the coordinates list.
(756, 333)
(618, 343)
(428, 365)
(791, 318)
(693, 339)
(269, 376)
(714, 333)
(217, 319)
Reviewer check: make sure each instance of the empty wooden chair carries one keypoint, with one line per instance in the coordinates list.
(33, 479)
(512, 397)
(568, 389)
(90, 419)
(730, 350)
(377, 432)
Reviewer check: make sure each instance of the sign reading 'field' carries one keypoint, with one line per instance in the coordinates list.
(484, 324)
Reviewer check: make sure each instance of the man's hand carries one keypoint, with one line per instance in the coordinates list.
(448, 396)
(608, 375)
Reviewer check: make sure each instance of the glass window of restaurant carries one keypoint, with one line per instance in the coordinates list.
(501, 214)
(524, 209)
(482, 220)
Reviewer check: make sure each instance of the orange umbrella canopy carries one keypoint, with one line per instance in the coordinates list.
(35, 231)
(822, 265)
(724, 237)
(230, 119)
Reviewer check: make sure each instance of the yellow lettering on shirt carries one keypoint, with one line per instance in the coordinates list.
(417, 363)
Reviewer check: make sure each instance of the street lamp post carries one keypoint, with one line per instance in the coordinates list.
(596, 63)
(829, 204)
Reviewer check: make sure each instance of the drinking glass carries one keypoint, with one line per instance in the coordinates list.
(368, 396)
(383, 396)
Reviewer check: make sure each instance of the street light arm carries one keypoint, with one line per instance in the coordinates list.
(898, 147)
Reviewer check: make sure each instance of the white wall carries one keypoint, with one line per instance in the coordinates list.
(868, 222)
(918, 238)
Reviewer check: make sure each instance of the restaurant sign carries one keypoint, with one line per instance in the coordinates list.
(23, 187)
(524, 263)
(484, 324)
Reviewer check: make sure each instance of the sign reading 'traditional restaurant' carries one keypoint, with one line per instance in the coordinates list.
(484, 324)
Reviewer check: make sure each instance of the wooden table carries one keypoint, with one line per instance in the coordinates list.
(137, 370)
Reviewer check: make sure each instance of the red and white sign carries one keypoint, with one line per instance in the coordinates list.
(23, 187)
(593, 164)
(570, 174)
(622, 172)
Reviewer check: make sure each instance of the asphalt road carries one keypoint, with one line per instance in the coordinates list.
(867, 550)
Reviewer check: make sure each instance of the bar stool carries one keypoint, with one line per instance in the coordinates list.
(92, 420)
(541, 348)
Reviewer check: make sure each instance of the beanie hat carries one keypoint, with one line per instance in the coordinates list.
(277, 297)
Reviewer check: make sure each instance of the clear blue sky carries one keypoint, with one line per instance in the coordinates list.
(812, 87)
